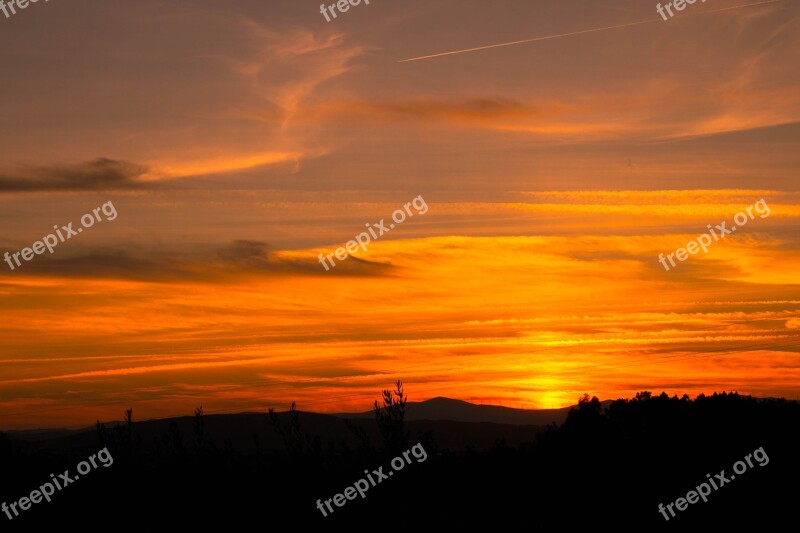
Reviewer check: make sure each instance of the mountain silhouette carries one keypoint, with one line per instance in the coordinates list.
(441, 408)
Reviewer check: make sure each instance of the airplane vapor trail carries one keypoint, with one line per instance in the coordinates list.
(547, 37)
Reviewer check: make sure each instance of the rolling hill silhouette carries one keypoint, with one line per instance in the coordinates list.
(441, 408)
(457, 424)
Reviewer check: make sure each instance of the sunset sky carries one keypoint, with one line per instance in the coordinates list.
(238, 140)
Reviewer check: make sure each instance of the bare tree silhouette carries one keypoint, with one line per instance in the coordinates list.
(391, 418)
(199, 427)
(290, 433)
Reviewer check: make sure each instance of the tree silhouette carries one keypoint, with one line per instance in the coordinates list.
(391, 418)
(199, 428)
(290, 433)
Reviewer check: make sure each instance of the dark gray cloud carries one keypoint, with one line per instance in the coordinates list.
(239, 258)
(100, 174)
(256, 256)
(103, 263)
(244, 252)
(477, 109)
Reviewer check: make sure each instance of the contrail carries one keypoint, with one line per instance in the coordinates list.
(547, 37)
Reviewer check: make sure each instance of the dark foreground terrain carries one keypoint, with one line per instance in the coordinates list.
(605, 464)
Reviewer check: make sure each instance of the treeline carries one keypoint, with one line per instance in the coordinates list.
(606, 464)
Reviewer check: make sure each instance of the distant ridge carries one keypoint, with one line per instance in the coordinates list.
(441, 408)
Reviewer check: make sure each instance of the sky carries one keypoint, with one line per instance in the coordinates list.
(235, 142)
